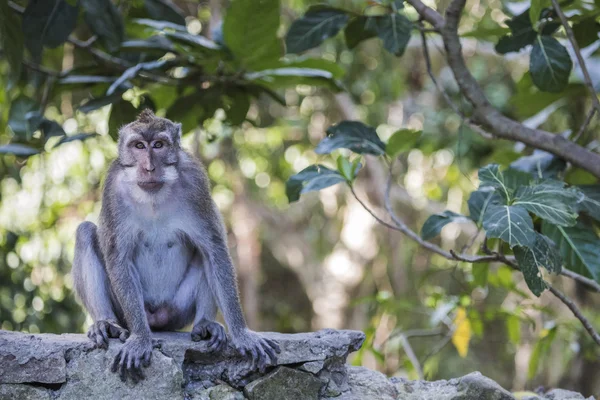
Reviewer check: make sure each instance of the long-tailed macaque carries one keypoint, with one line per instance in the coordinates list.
(158, 259)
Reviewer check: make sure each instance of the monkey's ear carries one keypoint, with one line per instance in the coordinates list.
(178, 129)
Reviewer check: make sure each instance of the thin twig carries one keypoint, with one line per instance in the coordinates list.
(582, 65)
(411, 356)
(439, 87)
(575, 310)
(585, 124)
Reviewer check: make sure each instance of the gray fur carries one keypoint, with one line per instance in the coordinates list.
(159, 258)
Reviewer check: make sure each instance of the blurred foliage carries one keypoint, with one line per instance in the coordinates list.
(259, 113)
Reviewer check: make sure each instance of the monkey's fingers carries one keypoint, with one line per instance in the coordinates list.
(123, 367)
(116, 362)
(270, 351)
(273, 345)
(147, 358)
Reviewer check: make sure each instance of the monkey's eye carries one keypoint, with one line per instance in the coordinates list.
(158, 145)
(139, 145)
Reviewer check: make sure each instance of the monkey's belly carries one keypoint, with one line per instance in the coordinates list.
(162, 267)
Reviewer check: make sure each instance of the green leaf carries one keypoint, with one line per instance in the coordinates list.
(11, 40)
(344, 167)
(161, 26)
(84, 79)
(434, 224)
(99, 102)
(543, 254)
(357, 31)
(238, 108)
(479, 201)
(20, 150)
(310, 63)
(579, 247)
(509, 223)
(74, 138)
(402, 140)
(191, 110)
(250, 31)
(49, 128)
(312, 178)
(153, 43)
(535, 11)
(590, 203)
(105, 20)
(132, 72)
(353, 135)
(198, 41)
(505, 183)
(586, 32)
(541, 348)
(550, 64)
(522, 33)
(165, 10)
(290, 77)
(480, 274)
(550, 200)
(540, 164)
(17, 115)
(121, 114)
(513, 328)
(48, 23)
(319, 23)
(394, 30)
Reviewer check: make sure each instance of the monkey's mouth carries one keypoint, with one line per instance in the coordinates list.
(151, 186)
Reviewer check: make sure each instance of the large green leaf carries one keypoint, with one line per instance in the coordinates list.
(17, 116)
(550, 64)
(319, 23)
(543, 254)
(99, 102)
(579, 247)
(509, 223)
(161, 26)
(353, 135)
(402, 140)
(121, 113)
(356, 31)
(132, 72)
(303, 62)
(11, 40)
(290, 77)
(165, 10)
(20, 150)
(48, 23)
(522, 33)
(106, 21)
(586, 32)
(250, 31)
(434, 224)
(312, 178)
(590, 203)
(504, 182)
(393, 29)
(479, 201)
(540, 164)
(550, 200)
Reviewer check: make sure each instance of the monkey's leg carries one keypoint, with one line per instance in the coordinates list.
(205, 326)
(92, 287)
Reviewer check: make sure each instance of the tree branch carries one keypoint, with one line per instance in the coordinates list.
(483, 112)
(575, 310)
(577, 51)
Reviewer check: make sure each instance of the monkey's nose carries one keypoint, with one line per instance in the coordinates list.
(150, 168)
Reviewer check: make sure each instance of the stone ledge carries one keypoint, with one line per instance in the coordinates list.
(311, 366)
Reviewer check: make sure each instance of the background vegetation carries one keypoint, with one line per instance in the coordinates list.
(435, 280)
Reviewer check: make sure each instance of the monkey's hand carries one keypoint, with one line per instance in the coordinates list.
(262, 350)
(211, 331)
(135, 354)
(102, 330)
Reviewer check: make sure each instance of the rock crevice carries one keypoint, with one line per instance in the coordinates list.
(311, 366)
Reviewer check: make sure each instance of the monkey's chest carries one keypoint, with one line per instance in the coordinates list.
(162, 262)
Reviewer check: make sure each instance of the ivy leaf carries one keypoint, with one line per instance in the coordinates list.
(11, 40)
(353, 135)
(394, 30)
(550, 200)
(165, 10)
(434, 224)
(540, 164)
(578, 246)
(522, 33)
(312, 178)
(250, 31)
(309, 31)
(357, 31)
(402, 140)
(479, 201)
(509, 223)
(590, 203)
(105, 20)
(550, 64)
(48, 23)
(543, 254)
(20, 150)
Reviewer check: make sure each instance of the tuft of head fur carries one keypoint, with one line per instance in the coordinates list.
(146, 116)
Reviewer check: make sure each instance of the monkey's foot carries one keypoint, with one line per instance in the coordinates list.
(262, 350)
(211, 331)
(135, 354)
(102, 330)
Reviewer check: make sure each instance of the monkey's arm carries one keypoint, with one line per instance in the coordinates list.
(222, 277)
(137, 350)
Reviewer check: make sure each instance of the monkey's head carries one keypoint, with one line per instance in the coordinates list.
(149, 151)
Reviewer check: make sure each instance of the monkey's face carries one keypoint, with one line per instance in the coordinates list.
(149, 151)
